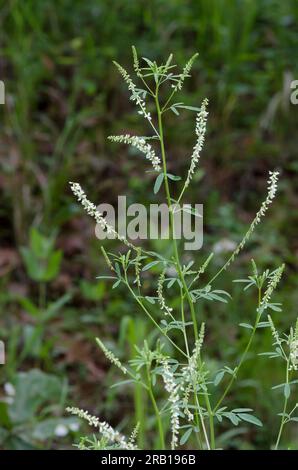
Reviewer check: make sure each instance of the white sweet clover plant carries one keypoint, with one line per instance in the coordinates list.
(190, 388)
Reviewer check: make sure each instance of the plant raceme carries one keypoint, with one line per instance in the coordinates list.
(190, 388)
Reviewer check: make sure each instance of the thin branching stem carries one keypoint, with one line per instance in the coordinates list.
(176, 255)
(244, 354)
(284, 411)
(138, 300)
(156, 410)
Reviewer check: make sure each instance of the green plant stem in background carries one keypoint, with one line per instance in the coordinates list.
(42, 295)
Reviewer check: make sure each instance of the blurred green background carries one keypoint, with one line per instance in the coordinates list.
(63, 98)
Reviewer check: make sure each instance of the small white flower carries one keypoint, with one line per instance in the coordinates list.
(104, 428)
(91, 210)
(61, 430)
(272, 188)
(173, 389)
(161, 300)
(185, 401)
(294, 348)
(111, 356)
(141, 144)
(9, 389)
(201, 123)
(190, 371)
(135, 94)
(185, 73)
(271, 287)
(294, 354)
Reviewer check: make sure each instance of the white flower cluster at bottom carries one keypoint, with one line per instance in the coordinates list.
(104, 428)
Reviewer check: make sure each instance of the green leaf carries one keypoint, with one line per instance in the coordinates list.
(158, 183)
(263, 324)
(105, 277)
(173, 177)
(54, 307)
(123, 382)
(116, 284)
(277, 386)
(40, 245)
(33, 390)
(275, 307)
(171, 282)
(151, 64)
(150, 265)
(46, 428)
(241, 410)
(232, 417)
(246, 325)
(185, 436)
(190, 108)
(53, 266)
(29, 306)
(33, 267)
(218, 378)
(220, 291)
(191, 210)
(174, 110)
(151, 300)
(117, 269)
(92, 291)
(287, 390)
(217, 297)
(250, 419)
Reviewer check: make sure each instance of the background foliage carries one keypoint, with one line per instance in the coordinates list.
(63, 98)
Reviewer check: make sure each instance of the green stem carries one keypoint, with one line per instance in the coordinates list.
(183, 322)
(151, 318)
(283, 418)
(197, 418)
(139, 395)
(234, 376)
(42, 295)
(176, 253)
(202, 419)
(156, 411)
